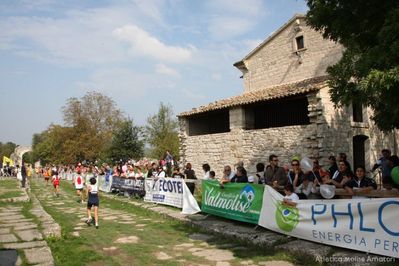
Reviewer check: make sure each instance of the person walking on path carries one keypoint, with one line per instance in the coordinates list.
(93, 201)
(23, 174)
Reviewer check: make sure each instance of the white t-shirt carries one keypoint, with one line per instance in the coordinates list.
(253, 179)
(293, 198)
(206, 176)
(161, 174)
(231, 175)
(78, 182)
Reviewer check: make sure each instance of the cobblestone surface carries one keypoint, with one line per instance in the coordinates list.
(22, 233)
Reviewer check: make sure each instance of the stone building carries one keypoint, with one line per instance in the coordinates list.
(285, 109)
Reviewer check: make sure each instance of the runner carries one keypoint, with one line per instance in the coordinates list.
(56, 184)
(79, 187)
(46, 175)
(92, 190)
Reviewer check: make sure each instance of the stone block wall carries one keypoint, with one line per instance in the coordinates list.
(336, 130)
(250, 146)
(330, 132)
(277, 63)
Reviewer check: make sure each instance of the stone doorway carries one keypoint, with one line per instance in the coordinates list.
(359, 150)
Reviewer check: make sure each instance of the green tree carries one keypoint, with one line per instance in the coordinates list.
(49, 145)
(126, 142)
(28, 158)
(92, 120)
(368, 72)
(6, 149)
(161, 133)
(94, 110)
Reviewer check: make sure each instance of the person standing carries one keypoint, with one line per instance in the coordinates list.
(341, 176)
(333, 165)
(206, 168)
(260, 173)
(23, 174)
(291, 198)
(240, 176)
(169, 162)
(360, 183)
(190, 174)
(383, 165)
(275, 175)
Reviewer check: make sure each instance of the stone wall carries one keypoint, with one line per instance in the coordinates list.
(277, 63)
(330, 132)
(336, 130)
(251, 146)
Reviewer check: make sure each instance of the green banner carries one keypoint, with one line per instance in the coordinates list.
(237, 201)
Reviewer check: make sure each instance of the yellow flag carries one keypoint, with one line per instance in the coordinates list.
(7, 160)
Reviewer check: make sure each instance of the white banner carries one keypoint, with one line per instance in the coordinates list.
(171, 191)
(368, 225)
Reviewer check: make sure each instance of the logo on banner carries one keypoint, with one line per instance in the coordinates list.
(247, 193)
(235, 202)
(287, 217)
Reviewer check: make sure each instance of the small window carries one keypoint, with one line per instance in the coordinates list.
(357, 112)
(299, 43)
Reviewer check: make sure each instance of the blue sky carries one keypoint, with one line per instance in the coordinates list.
(138, 52)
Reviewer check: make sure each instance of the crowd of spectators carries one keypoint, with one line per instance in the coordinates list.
(306, 184)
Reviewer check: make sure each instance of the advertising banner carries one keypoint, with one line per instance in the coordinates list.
(171, 191)
(237, 201)
(368, 225)
(133, 186)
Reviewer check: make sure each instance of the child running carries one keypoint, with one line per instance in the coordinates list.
(46, 175)
(92, 190)
(56, 184)
(79, 186)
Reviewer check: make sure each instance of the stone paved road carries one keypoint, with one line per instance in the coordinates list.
(157, 237)
(24, 234)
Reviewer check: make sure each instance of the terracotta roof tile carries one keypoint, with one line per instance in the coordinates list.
(280, 91)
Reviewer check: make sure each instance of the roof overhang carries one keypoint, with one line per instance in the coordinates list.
(266, 94)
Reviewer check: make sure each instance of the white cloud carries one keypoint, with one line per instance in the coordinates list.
(222, 28)
(248, 8)
(151, 8)
(165, 70)
(192, 95)
(232, 18)
(142, 43)
(80, 38)
(122, 82)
